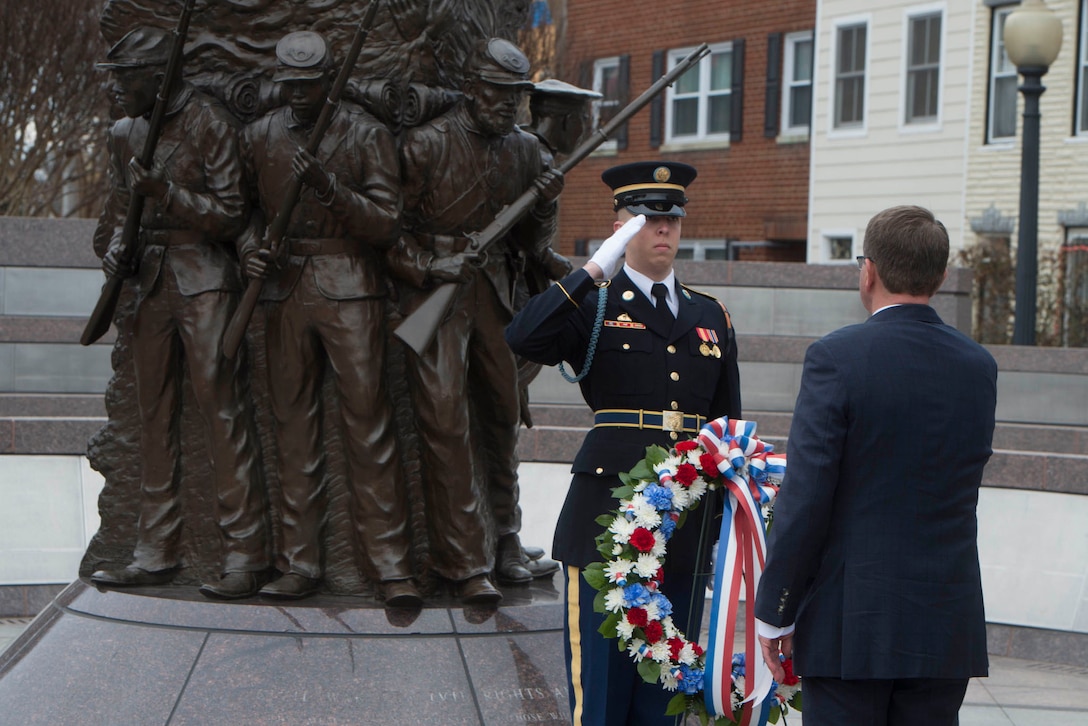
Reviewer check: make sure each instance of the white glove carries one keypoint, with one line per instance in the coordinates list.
(608, 255)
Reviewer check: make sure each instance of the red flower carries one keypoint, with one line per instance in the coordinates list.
(697, 648)
(709, 465)
(686, 474)
(687, 446)
(642, 539)
(675, 646)
(789, 679)
(659, 576)
(637, 617)
(653, 632)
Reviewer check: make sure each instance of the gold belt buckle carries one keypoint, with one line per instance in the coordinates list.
(672, 421)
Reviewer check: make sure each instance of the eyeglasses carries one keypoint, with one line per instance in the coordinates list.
(861, 261)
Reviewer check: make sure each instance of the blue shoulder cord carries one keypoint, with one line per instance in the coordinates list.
(602, 296)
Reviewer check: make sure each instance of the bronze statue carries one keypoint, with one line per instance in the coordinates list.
(186, 284)
(459, 170)
(326, 294)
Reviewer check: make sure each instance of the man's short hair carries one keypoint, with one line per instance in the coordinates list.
(909, 247)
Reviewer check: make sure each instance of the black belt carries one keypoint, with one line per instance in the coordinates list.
(637, 418)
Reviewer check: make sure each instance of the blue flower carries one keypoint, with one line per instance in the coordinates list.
(692, 681)
(637, 595)
(668, 526)
(664, 607)
(659, 497)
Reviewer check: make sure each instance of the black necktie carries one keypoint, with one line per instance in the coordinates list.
(660, 293)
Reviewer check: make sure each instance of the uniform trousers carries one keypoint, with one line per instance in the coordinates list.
(168, 326)
(892, 702)
(306, 333)
(605, 687)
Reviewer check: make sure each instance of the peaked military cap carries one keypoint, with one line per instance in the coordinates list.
(653, 188)
(500, 62)
(301, 56)
(555, 96)
(140, 47)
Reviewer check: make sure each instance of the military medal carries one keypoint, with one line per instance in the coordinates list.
(705, 335)
(716, 351)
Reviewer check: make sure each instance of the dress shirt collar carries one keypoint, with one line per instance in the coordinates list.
(644, 284)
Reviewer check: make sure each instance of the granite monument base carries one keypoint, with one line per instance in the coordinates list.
(168, 656)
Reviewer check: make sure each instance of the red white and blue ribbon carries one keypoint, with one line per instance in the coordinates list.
(748, 467)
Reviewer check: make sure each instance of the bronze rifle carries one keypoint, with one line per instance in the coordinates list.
(102, 315)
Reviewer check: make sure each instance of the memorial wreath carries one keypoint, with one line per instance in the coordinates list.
(655, 499)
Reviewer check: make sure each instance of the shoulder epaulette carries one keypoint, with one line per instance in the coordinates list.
(725, 310)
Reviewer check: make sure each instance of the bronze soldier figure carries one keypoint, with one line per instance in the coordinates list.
(459, 170)
(326, 312)
(187, 282)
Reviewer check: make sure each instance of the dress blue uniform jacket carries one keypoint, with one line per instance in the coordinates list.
(873, 548)
(638, 365)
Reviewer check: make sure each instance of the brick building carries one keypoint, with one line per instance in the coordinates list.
(741, 118)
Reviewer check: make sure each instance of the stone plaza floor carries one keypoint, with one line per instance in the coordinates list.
(1017, 693)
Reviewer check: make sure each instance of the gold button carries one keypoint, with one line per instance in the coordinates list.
(600, 470)
(627, 346)
(675, 376)
(671, 349)
(675, 406)
(673, 435)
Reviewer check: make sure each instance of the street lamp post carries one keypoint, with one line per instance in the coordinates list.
(1033, 37)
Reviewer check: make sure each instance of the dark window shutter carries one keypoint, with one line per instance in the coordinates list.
(585, 74)
(736, 122)
(657, 106)
(625, 97)
(773, 96)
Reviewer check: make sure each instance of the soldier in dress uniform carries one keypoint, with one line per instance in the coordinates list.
(664, 363)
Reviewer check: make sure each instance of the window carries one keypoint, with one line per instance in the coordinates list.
(838, 246)
(1002, 110)
(797, 86)
(1081, 128)
(850, 75)
(923, 68)
(699, 104)
(606, 81)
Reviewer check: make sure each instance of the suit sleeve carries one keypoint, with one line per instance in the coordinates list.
(802, 510)
(552, 327)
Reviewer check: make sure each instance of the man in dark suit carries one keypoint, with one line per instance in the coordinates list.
(873, 552)
(660, 368)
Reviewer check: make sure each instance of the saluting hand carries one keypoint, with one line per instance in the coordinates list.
(606, 259)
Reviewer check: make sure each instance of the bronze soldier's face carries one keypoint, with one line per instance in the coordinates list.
(134, 89)
(495, 107)
(306, 97)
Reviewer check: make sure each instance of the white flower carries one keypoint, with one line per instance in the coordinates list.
(668, 681)
(681, 498)
(668, 466)
(614, 600)
(625, 629)
(659, 651)
(653, 612)
(788, 692)
(687, 655)
(693, 458)
(633, 648)
(648, 517)
(647, 566)
(617, 550)
(671, 631)
(697, 489)
(618, 569)
(660, 546)
(641, 485)
(621, 530)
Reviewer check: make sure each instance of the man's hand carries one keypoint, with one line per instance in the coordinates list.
(607, 257)
(256, 264)
(312, 173)
(771, 647)
(454, 268)
(147, 182)
(116, 264)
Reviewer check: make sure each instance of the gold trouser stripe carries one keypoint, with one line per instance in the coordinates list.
(575, 635)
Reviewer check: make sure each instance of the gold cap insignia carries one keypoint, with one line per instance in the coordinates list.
(662, 174)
